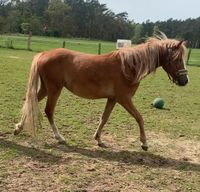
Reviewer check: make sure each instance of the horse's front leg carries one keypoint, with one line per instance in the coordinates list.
(108, 109)
(128, 105)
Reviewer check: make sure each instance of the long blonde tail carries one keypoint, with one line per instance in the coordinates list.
(30, 112)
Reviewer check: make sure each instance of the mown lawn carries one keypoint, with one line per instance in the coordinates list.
(46, 43)
(195, 57)
(171, 164)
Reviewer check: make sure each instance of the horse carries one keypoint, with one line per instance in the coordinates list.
(115, 76)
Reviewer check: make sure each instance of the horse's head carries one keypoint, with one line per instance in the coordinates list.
(174, 62)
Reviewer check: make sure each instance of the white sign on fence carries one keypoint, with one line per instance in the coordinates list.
(123, 43)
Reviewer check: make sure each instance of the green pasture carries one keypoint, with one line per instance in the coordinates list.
(171, 164)
(39, 43)
(45, 43)
(195, 57)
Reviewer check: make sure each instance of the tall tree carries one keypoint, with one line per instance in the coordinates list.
(57, 18)
(88, 19)
(137, 38)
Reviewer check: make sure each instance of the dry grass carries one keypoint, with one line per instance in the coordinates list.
(38, 166)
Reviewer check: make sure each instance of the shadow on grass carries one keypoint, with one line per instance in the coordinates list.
(34, 153)
(131, 157)
(128, 157)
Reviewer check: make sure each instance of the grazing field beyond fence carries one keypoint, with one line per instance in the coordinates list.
(38, 44)
(45, 43)
(194, 59)
(172, 163)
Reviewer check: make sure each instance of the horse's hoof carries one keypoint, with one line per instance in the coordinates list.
(62, 142)
(144, 147)
(102, 145)
(16, 131)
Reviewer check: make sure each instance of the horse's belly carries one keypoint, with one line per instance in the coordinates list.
(90, 92)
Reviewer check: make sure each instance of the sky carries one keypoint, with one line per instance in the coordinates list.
(155, 10)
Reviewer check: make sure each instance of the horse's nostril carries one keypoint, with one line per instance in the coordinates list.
(186, 81)
(182, 82)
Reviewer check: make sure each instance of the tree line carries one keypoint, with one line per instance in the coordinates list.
(86, 19)
(188, 29)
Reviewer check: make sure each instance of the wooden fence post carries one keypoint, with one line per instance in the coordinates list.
(188, 56)
(29, 41)
(99, 49)
(63, 45)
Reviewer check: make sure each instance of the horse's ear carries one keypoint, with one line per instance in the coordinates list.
(185, 43)
(182, 42)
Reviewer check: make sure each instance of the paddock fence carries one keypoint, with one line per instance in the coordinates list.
(38, 44)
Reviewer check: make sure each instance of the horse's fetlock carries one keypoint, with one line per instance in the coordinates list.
(18, 128)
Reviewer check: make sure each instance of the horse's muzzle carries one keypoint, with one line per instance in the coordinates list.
(182, 77)
(182, 80)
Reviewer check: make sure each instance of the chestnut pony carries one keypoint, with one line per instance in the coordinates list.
(115, 76)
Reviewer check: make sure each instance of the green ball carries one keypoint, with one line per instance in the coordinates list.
(158, 103)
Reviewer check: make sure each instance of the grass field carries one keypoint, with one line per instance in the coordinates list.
(88, 46)
(46, 43)
(171, 164)
(195, 57)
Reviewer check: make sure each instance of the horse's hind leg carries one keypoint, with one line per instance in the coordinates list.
(108, 109)
(53, 94)
(19, 126)
(42, 91)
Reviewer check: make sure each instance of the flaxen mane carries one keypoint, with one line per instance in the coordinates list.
(140, 60)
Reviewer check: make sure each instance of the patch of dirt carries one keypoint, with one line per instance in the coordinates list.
(122, 166)
(32, 176)
(179, 148)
